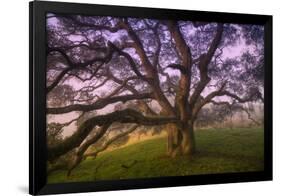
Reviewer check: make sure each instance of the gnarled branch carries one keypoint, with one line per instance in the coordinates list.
(124, 116)
(100, 103)
(80, 153)
(71, 65)
(204, 61)
(221, 92)
(185, 80)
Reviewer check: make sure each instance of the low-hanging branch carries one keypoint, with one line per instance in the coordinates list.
(123, 116)
(101, 103)
(82, 149)
(80, 153)
(111, 140)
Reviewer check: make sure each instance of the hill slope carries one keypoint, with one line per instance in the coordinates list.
(219, 151)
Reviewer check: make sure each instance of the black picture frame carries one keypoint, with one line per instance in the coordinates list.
(37, 100)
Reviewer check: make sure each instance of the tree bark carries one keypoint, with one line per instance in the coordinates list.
(188, 139)
(172, 131)
(181, 140)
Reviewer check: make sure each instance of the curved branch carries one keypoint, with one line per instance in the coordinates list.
(130, 60)
(98, 104)
(215, 43)
(151, 73)
(200, 103)
(119, 81)
(122, 85)
(58, 79)
(179, 67)
(204, 61)
(111, 140)
(219, 93)
(134, 91)
(123, 116)
(182, 47)
(154, 29)
(184, 52)
(61, 126)
(80, 154)
(72, 65)
(82, 149)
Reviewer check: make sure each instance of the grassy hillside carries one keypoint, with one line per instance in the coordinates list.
(219, 151)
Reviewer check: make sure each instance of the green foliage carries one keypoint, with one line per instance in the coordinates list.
(218, 151)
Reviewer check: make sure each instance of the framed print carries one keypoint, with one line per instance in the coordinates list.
(127, 98)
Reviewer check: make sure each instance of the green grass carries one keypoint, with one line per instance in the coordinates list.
(218, 151)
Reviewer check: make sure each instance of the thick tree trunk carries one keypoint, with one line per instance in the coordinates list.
(188, 139)
(173, 139)
(181, 140)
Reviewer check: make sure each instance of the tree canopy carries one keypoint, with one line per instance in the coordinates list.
(146, 72)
